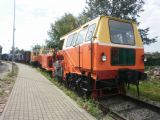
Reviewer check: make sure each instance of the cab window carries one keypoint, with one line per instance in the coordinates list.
(90, 32)
(74, 39)
(69, 40)
(121, 32)
(81, 36)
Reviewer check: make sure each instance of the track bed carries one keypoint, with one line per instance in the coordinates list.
(123, 107)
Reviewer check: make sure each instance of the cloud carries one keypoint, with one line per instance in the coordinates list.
(151, 18)
(39, 12)
(33, 19)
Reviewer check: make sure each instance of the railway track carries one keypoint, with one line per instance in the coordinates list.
(121, 107)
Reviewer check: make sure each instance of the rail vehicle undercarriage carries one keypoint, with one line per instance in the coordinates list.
(86, 86)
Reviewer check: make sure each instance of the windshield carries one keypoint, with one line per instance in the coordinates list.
(121, 32)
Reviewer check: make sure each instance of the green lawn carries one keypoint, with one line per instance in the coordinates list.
(149, 88)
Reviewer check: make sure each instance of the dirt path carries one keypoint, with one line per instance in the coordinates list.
(5, 68)
(6, 83)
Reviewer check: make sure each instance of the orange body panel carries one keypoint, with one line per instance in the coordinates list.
(76, 63)
(104, 70)
(40, 59)
(34, 59)
(46, 62)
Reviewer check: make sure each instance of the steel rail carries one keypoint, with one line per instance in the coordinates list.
(142, 103)
(111, 113)
(118, 116)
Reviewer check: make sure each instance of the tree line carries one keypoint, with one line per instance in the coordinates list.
(153, 59)
(124, 9)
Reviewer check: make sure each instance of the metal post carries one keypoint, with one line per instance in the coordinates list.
(13, 54)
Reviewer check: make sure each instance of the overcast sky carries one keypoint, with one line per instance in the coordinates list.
(33, 19)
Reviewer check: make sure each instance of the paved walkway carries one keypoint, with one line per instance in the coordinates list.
(35, 98)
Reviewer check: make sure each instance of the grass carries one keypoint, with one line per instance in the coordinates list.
(149, 88)
(151, 67)
(1, 93)
(11, 75)
(87, 104)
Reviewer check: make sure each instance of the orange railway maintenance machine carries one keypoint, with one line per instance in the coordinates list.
(34, 57)
(47, 59)
(101, 56)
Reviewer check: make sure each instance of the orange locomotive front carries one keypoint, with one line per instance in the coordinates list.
(101, 56)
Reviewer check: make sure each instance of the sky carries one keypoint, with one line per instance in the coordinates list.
(33, 19)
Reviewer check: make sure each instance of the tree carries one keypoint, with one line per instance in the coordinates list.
(36, 47)
(83, 18)
(16, 50)
(124, 9)
(144, 36)
(62, 26)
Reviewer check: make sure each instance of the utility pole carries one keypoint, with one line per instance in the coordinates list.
(13, 54)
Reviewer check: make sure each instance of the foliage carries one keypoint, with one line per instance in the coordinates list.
(152, 59)
(36, 47)
(149, 89)
(62, 26)
(153, 55)
(16, 51)
(82, 18)
(144, 34)
(125, 9)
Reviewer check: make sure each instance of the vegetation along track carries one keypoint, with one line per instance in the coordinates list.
(121, 107)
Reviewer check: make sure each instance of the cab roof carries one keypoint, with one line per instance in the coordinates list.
(96, 19)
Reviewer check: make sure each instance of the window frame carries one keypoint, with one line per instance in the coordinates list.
(70, 36)
(134, 41)
(74, 39)
(88, 31)
(85, 28)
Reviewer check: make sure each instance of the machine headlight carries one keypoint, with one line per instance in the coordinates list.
(104, 57)
(144, 58)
